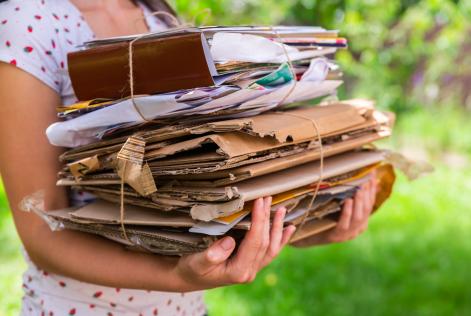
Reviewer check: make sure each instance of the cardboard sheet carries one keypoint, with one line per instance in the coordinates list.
(283, 126)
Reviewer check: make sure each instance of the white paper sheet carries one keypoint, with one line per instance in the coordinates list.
(257, 49)
(84, 129)
(317, 71)
(215, 228)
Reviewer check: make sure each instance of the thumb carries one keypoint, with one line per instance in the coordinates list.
(217, 253)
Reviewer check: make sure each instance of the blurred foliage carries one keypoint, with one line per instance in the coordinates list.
(402, 52)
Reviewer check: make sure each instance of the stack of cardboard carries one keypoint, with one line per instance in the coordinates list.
(234, 121)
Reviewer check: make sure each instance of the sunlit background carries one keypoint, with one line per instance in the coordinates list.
(412, 57)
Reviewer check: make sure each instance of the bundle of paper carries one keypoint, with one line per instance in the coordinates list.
(193, 57)
(202, 74)
(224, 152)
(184, 231)
(234, 120)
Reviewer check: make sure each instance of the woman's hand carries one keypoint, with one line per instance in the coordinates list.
(354, 218)
(27, 109)
(216, 267)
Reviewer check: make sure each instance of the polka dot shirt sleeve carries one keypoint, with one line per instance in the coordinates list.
(28, 41)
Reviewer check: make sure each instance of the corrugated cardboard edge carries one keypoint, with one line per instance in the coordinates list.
(208, 212)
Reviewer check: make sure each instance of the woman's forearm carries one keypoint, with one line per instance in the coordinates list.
(97, 260)
(28, 163)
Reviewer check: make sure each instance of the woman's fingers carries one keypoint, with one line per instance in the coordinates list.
(263, 242)
(345, 218)
(266, 228)
(373, 192)
(219, 251)
(343, 229)
(266, 233)
(244, 264)
(276, 236)
(287, 234)
(355, 213)
(276, 233)
(369, 201)
(358, 206)
(205, 262)
(253, 239)
(368, 198)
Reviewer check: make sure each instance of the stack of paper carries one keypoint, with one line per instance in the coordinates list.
(235, 119)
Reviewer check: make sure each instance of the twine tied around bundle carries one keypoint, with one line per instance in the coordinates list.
(321, 169)
(316, 128)
(177, 25)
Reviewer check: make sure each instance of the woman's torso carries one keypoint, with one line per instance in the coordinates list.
(37, 36)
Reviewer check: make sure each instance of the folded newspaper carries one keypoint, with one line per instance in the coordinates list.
(220, 117)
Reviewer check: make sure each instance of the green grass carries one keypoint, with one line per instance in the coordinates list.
(11, 264)
(413, 260)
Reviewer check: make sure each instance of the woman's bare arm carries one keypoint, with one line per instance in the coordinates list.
(28, 163)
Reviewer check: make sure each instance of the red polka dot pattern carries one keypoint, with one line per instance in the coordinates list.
(36, 36)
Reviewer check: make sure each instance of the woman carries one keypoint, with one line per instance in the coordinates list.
(73, 273)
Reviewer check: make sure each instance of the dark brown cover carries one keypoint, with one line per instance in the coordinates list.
(160, 65)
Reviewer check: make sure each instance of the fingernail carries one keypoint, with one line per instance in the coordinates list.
(227, 243)
(282, 210)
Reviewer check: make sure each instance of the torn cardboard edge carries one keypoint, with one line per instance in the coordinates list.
(131, 168)
(286, 180)
(225, 176)
(332, 118)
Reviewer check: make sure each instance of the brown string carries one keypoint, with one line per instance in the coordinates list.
(176, 26)
(179, 26)
(121, 208)
(316, 127)
(321, 168)
(291, 68)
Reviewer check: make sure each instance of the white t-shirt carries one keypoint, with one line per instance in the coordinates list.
(36, 36)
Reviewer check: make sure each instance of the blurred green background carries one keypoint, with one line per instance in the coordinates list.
(413, 57)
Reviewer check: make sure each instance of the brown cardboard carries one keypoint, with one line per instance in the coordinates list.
(283, 181)
(90, 68)
(282, 126)
(108, 213)
(226, 176)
